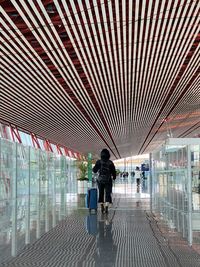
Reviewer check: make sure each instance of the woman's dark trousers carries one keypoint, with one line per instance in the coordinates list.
(107, 189)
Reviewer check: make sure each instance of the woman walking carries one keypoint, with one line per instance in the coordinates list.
(107, 173)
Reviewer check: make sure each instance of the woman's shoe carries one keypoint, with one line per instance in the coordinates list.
(106, 210)
(102, 208)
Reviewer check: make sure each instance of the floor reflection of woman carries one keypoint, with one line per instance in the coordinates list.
(105, 254)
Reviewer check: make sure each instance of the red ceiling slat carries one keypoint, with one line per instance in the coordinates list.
(101, 81)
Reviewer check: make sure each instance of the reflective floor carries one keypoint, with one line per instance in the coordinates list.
(128, 236)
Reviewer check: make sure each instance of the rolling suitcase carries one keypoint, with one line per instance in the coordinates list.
(91, 199)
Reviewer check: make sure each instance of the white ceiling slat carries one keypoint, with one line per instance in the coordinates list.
(52, 77)
(102, 59)
(108, 84)
(53, 57)
(168, 68)
(87, 101)
(118, 73)
(74, 30)
(112, 69)
(175, 54)
(60, 67)
(38, 109)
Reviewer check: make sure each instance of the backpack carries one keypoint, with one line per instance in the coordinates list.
(104, 172)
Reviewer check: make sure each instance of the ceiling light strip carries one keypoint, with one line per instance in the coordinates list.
(103, 40)
(100, 52)
(172, 61)
(106, 125)
(177, 101)
(32, 121)
(77, 35)
(32, 102)
(52, 77)
(40, 93)
(144, 71)
(44, 38)
(155, 47)
(108, 26)
(72, 71)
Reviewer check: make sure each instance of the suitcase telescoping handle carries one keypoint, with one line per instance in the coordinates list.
(94, 180)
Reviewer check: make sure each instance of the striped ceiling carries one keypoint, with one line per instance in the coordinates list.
(90, 74)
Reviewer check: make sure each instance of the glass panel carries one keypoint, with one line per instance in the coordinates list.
(7, 170)
(51, 191)
(57, 187)
(22, 201)
(195, 165)
(71, 196)
(7, 178)
(34, 188)
(34, 192)
(63, 187)
(170, 188)
(43, 184)
(176, 172)
(5, 230)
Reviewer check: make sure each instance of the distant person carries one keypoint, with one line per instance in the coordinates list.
(133, 174)
(107, 173)
(138, 178)
(144, 183)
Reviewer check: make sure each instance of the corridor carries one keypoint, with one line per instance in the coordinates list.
(130, 235)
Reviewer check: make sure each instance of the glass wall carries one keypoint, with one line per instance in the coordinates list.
(34, 193)
(176, 188)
